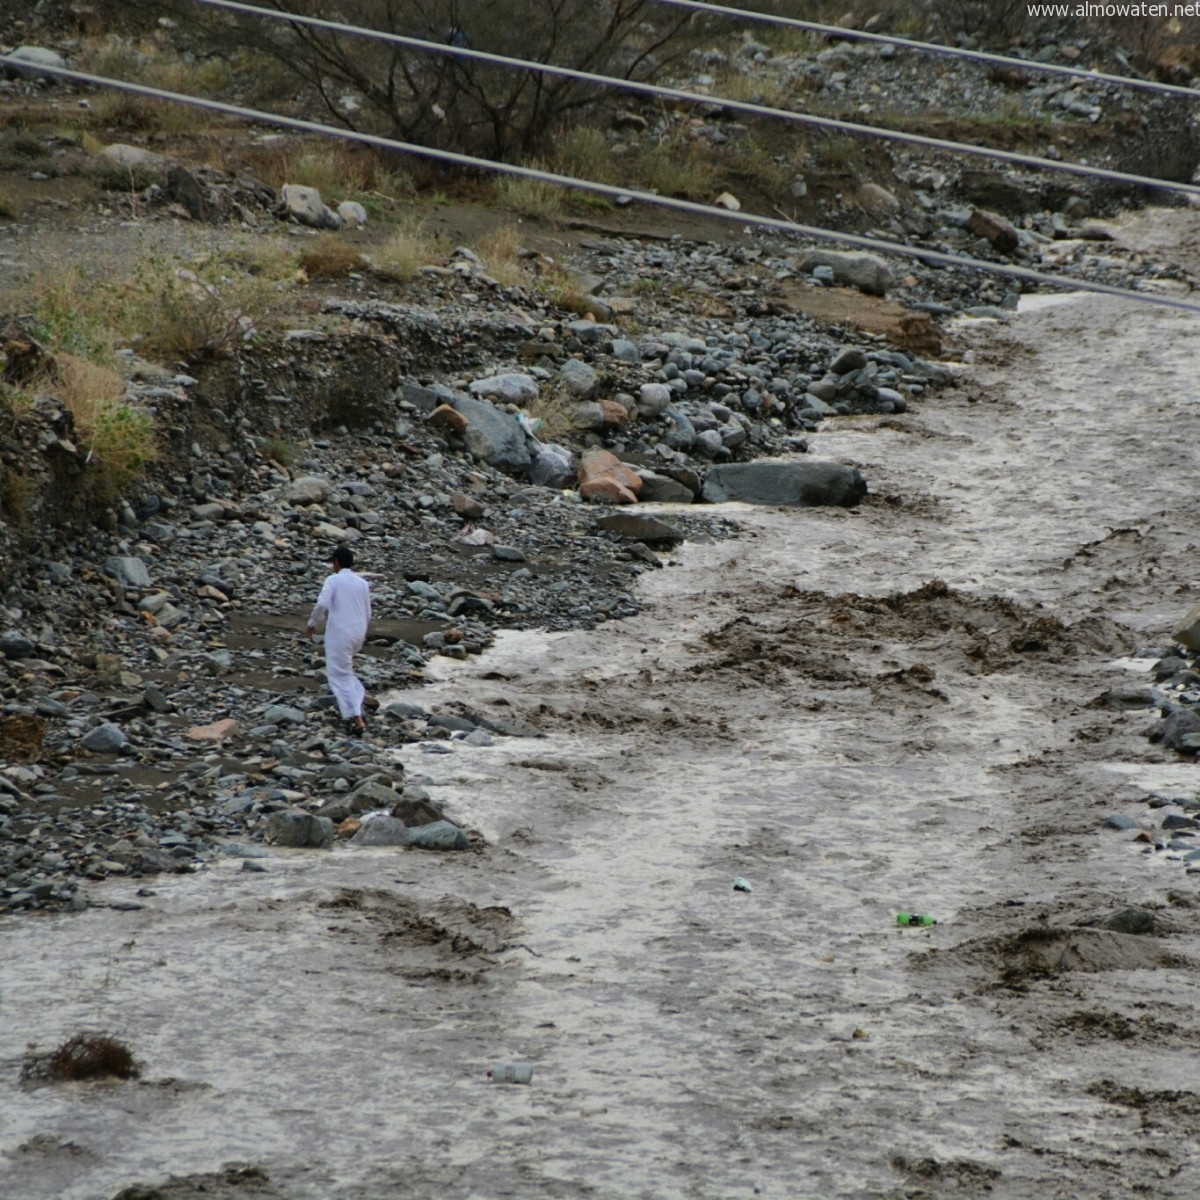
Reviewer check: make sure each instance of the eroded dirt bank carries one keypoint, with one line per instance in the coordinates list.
(859, 713)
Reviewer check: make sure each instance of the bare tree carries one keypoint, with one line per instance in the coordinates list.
(437, 99)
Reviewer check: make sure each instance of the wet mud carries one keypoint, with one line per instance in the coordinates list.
(857, 712)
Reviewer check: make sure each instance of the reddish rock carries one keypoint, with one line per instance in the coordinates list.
(467, 507)
(614, 415)
(446, 417)
(606, 490)
(995, 228)
(218, 731)
(603, 476)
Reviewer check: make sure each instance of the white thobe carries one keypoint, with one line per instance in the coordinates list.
(345, 606)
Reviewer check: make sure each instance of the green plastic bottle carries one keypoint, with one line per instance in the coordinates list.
(905, 918)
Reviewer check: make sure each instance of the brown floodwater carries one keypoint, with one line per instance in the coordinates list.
(858, 713)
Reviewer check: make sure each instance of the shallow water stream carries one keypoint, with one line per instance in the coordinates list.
(858, 712)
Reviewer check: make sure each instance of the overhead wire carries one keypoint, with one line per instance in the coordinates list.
(899, 249)
(980, 56)
(680, 94)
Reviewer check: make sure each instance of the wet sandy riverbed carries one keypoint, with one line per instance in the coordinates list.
(859, 713)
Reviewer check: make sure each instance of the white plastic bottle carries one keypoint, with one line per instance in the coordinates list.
(518, 1072)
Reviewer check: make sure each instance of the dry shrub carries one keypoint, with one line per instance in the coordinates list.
(265, 80)
(332, 171)
(116, 57)
(566, 294)
(266, 258)
(281, 451)
(84, 1057)
(532, 198)
(376, 179)
(838, 152)
(585, 153)
(18, 495)
(336, 170)
(22, 736)
(75, 311)
(754, 87)
(191, 319)
(501, 251)
(552, 409)
(137, 114)
(119, 439)
(408, 249)
(23, 150)
(512, 265)
(989, 22)
(89, 143)
(10, 210)
(784, 39)
(122, 110)
(112, 176)
(21, 143)
(753, 163)
(200, 310)
(160, 305)
(674, 169)
(157, 63)
(209, 77)
(330, 257)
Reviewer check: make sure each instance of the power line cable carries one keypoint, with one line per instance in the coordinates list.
(744, 106)
(981, 56)
(929, 257)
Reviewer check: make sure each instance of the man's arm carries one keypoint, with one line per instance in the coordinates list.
(321, 609)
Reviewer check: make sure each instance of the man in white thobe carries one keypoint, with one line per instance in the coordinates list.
(345, 606)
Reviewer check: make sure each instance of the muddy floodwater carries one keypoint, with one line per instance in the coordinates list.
(856, 712)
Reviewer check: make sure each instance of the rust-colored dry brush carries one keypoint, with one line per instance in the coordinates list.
(84, 1056)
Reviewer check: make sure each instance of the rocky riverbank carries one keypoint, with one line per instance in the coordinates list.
(159, 698)
(469, 439)
(161, 709)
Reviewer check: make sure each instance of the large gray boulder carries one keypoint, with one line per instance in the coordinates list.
(681, 433)
(440, 835)
(415, 808)
(104, 739)
(578, 380)
(587, 414)
(381, 831)
(807, 483)
(299, 829)
(352, 213)
(133, 157)
(1188, 634)
(28, 61)
(14, 644)
(371, 794)
(1178, 731)
(867, 272)
(422, 398)
(511, 388)
(305, 206)
(553, 466)
(592, 333)
(128, 571)
(308, 489)
(653, 399)
(494, 436)
(659, 489)
(640, 528)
